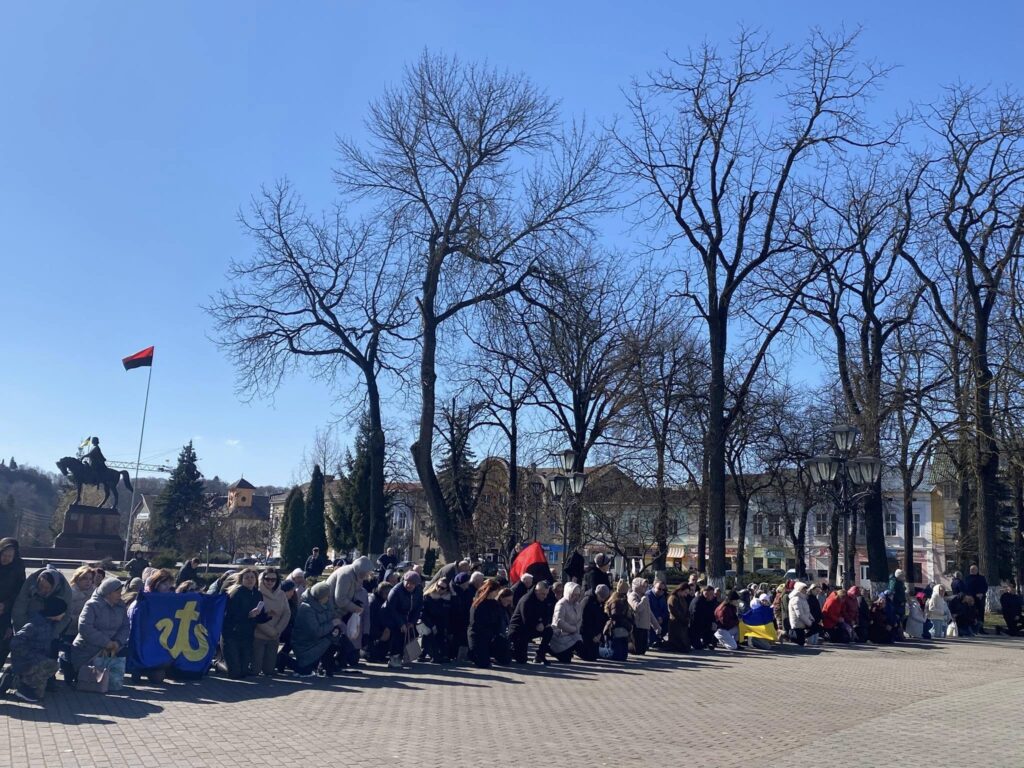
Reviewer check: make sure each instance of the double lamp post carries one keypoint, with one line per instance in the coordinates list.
(846, 478)
(557, 485)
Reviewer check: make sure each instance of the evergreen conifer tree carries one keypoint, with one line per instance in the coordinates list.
(316, 526)
(293, 531)
(180, 500)
(340, 533)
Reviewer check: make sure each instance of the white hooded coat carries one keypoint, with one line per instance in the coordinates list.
(567, 619)
(799, 611)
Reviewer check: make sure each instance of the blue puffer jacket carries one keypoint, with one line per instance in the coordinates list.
(659, 607)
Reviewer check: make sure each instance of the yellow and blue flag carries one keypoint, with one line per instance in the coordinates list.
(180, 630)
(758, 622)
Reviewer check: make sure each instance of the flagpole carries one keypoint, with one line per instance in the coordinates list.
(138, 460)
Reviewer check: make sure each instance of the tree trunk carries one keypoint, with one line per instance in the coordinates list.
(908, 531)
(661, 524)
(444, 527)
(513, 484)
(1018, 539)
(741, 538)
(833, 548)
(874, 538)
(987, 466)
(378, 514)
(716, 452)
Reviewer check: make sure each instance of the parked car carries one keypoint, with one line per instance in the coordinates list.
(404, 565)
(245, 561)
(769, 572)
(273, 562)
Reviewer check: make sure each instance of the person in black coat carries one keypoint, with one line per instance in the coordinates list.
(458, 622)
(12, 577)
(488, 625)
(315, 563)
(436, 617)
(573, 568)
(386, 562)
(594, 618)
(522, 587)
(702, 619)
(976, 586)
(244, 612)
(401, 614)
(532, 618)
(597, 573)
(1012, 604)
(378, 643)
(815, 607)
(189, 572)
(136, 566)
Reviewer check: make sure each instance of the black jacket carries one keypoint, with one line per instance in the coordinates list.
(529, 612)
(237, 624)
(400, 608)
(594, 577)
(136, 566)
(1011, 603)
(12, 577)
(975, 584)
(187, 573)
(702, 612)
(315, 565)
(593, 617)
(573, 568)
(436, 613)
(486, 621)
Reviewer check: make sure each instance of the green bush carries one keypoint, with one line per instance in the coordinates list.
(165, 558)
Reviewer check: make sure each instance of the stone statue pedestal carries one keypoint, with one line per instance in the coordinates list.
(93, 530)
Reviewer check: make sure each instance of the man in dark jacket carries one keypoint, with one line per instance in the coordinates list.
(976, 586)
(702, 619)
(1011, 603)
(189, 572)
(386, 562)
(573, 569)
(401, 614)
(594, 619)
(522, 587)
(531, 618)
(136, 566)
(597, 573)
(315, 564)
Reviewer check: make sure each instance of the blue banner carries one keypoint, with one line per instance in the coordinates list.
(178, 630)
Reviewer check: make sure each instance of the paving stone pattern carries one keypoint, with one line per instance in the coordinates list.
(917, 704)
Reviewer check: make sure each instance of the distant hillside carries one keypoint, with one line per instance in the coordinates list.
(28, 494)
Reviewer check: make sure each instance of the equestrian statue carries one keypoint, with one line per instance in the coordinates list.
(92, 469)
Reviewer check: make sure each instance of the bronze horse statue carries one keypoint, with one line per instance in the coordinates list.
(82, 474)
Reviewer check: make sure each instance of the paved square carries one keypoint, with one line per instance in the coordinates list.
(955, 703)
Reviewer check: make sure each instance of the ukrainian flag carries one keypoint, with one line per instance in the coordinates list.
(758, 622)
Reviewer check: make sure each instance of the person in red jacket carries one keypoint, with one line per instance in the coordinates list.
(832, 617)
(851, 611)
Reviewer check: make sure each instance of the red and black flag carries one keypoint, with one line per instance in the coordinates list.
(139, 359)
(531, 560)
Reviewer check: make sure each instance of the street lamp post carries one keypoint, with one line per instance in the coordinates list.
(557, 484)
(846, 479)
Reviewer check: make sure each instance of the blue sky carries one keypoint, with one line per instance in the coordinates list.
(131, 133)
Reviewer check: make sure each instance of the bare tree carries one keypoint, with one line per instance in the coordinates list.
(973, 193)
(579, 355)
(719, 180)
(319, 293)
(856, 226)
(470, 167)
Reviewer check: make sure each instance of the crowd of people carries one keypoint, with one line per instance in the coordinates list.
(366, 612)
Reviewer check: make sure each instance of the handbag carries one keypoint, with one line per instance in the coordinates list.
(952, 630)
(411, 651)
(114, 665)
(354, 628)
(93, 679)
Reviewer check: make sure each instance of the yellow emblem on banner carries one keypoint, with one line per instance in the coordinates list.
(182, 646)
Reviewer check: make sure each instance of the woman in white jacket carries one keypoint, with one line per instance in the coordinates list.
(566, 623)
(644, 620)
(938, 612)
(800, 617)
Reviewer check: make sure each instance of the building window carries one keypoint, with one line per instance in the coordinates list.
(952, 526)
(863, 571)
(634, 525)
(758, 563)
(917, 527)
(673, 527)
(774, 529)
(821, 524)
(890, 523)
(917, 574)
(759, 524)
(728, 527)
(822, 573)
